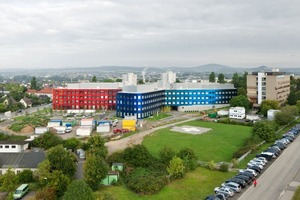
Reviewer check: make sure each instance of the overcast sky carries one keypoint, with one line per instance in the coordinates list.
(160, 33)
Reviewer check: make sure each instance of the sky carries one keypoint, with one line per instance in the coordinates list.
(145, 33)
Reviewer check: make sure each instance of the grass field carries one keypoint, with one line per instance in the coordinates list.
(195, 185)
(218, 144)
(158, 117)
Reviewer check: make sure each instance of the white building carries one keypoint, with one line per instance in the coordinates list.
(129, 79)
(271, 114)
(13, 146)
(237, 113)
(169, 77)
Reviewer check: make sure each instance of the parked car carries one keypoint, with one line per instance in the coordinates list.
(250, 164)
(262, 159)
(241, 182)
(259, 162)
(266, 155)
(256, 168)
(245, 178)
(250, 175)
(117, 130)
(222, 196)
(212, 197)
(225, 190)
(234, 186)
(252, 171)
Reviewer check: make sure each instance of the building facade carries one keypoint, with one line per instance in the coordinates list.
(268, 86)
(147, 101)
(86, 96)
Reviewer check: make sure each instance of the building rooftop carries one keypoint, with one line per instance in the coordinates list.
(116, 85)
(21, 160)
(13, 142)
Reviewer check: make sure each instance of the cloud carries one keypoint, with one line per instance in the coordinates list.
(82, 33)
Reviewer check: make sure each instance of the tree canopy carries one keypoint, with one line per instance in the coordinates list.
(221, 78)
(265, 130)
(212, 77)
(78, 189)
(267, 105)
(241, 101)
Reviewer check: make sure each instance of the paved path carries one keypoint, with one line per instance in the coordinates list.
(276, 183)
(121, 144)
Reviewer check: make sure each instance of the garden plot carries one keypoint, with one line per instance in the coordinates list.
(194, 130)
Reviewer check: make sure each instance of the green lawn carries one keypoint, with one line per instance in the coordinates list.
(195, 185)
(218, 144)
(158, 117)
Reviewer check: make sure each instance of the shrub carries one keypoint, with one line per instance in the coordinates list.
(211, 165)
(26, 176)
(189, 158)
(176, 168)
(224, 167)
(144, 182)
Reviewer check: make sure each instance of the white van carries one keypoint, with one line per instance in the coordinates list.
(21, 191)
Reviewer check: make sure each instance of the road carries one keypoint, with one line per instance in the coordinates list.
(273, 182)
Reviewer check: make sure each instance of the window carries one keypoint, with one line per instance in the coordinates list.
(6, 146)
(13, 146)
(1, 147)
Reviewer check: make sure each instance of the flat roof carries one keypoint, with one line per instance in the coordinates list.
(21, 160)
(13, 142)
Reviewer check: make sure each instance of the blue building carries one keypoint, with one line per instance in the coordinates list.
(144, 101)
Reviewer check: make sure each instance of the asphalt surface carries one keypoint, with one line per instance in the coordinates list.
(275, 183)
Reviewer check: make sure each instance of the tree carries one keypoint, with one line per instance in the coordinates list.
(221, 78)
(298, 105)
(26, 176)
(138, 156)
(265, 130)
(59, 181)
(78, 189)
(43, 172)
(235, 80)
(94, 79)
(140, 81)
(242, 91)
(166, 154)
(61, 159)
(176, 168)
(72, 143)
(96, 145)
(189, 158)
(212, 77)
(8, 181)
(267, 105)
(47, 140)
(286, 115)
(95, 169)
(241, 101)
(46, 193)
(33, 84)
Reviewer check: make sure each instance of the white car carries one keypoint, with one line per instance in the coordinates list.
(225, 190)
(251, 171)
(234, 186)
(262, 158)
(260, 162)
(250, 164)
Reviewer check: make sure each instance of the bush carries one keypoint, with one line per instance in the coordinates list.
(224, 167)
(211, 165)
(26, 176)
(144, 182)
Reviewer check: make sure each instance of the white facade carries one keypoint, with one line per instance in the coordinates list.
(13, 146)
(237, 113)
(169, 77)
(87, 122)
(84, 131)
(53, 124)
(60, 129)
(196, 108)
(223, 112)
(129, 79)
(271, 114)
(103, 128)
(260, 78)
(40, 130)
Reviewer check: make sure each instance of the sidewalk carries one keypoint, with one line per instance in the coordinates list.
(289, 191)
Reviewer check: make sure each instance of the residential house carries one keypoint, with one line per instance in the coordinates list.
(7, 146)
(237, 113)
(26, 102)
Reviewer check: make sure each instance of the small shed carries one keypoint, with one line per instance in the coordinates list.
(117, 167)
(112, 176)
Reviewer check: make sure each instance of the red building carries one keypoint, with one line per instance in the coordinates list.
(85, 96)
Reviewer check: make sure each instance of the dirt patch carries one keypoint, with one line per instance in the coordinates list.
(194, 130)
(27, 129)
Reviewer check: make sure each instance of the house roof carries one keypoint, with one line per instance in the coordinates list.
(13, 142)
(21, 160)
(31, 91)
(26, 100)
(45, 91)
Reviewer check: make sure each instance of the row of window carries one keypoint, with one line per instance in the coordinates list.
(85, 97)
(198, 93)
(144, 96)
(194, 103)
(7, 146)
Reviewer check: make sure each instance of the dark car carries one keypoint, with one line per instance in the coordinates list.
(279, 145)
(245, 178)
(247, 174)
(273, 150)
(241, 182)
(268, 157)
(256, 168)
(222, 196)
(212, 197)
